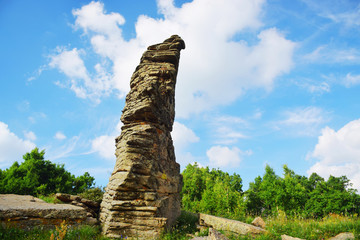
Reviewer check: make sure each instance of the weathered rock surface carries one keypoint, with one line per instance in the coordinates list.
(92, 208)
(259, 222)
(229, 225)
(143, 194)
(213, 235)
(343, 236)
(286, 237)
(26, 211)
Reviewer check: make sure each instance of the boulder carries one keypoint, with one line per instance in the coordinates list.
(26, 212)
(286, 237)
(343, 236)
(259, 222)
(143, 194)
(238, 227)
(90, 206)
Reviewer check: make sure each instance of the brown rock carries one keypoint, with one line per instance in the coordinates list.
(91, 207)
(229, 225)
(259, 222)
(343, 236)
(143, 194)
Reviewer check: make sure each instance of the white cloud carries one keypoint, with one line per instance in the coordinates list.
(30, 135)
(338, 153)
(302, 121)
(59, 136)
(227, 129)
(81, 82)
(345, 12)
(12, 148)
(315, 87)
(104, 145)
(214, 70)
(225, 157)
(183, 137)
(351, 80)
(327, 54)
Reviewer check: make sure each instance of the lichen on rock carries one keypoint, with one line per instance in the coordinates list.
(143, 194)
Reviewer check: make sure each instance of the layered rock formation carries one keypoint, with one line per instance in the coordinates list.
(143, 194)
(24, 211)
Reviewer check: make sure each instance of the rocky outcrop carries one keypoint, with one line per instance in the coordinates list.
(92, 208)
(343, 236)
(143, 194)
(220, 223)
(26, 212)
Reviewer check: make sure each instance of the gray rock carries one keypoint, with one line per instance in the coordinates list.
(215, 235)
(286, 237)
(143, 194)
(229, 225)
(343, 236)
(27, 212)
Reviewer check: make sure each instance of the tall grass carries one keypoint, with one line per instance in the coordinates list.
(314, 229)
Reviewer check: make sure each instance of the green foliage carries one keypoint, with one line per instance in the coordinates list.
(214, 192)
(82, 232)
(300, 196)
(37, 176)
(185, 224)
(94, 194)
(218, 193)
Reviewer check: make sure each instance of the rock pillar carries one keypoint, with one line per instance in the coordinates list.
(143, 194)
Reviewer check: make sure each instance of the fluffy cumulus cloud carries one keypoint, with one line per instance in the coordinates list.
(224, 157)
(80, 80)
(12, 147)
(183, 137)
(338, 153)
(105, 145)
(215, 69)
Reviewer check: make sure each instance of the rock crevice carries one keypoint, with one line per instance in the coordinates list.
(143, 194)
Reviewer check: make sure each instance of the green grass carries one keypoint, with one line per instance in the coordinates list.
(83, 232)
(186, 224)
(313, 229)
(49, 198)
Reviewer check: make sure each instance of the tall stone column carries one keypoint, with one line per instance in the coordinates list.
(143, 194)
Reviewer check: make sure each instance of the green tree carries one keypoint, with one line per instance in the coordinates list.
(35, 175)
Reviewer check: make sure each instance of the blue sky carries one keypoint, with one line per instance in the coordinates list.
(260, 82)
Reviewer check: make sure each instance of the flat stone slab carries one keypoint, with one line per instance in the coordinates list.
(224, 224)
(26, 211)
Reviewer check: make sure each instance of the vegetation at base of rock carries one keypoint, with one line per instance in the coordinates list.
(185, 224)
(93, 194)
(83, 232)
(37, 176)
(218, 193)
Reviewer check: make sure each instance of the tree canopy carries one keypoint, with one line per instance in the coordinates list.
(216, 192)
(35, 175)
